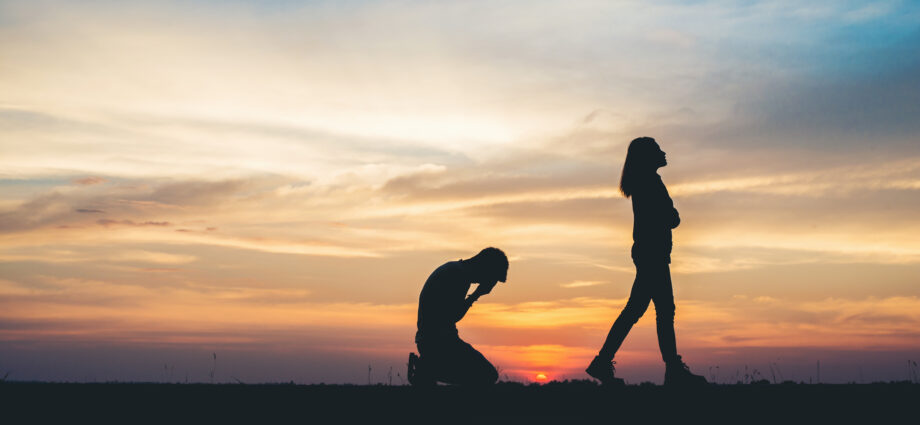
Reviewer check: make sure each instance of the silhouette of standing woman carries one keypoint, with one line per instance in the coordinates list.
(654, 217)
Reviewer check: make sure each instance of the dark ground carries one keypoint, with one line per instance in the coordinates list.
(506, 403)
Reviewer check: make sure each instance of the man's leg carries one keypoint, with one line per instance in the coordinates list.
(432, 358)
(418, 374)
(460, 364)
(477, 370)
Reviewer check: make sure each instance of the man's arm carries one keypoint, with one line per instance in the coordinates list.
(482, 289)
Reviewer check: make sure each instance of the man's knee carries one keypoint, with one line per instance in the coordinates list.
(461, 364)
(485, 375)
(491, 375)
(480, 370)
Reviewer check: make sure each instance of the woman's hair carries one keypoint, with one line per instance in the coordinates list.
(640, 157)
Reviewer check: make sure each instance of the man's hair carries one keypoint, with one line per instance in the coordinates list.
(492, 259)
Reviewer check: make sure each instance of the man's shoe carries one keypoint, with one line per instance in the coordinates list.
(677, 373)
(603, 371)
(416, 377)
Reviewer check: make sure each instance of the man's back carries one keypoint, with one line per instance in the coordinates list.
(441, 301)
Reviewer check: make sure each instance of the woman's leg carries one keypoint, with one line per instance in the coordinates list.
(639, 298)
(662, 294)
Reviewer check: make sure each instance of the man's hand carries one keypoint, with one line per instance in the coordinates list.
(484, 288)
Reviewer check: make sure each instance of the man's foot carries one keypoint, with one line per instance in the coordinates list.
(416, 377)
(603, 371)
(678, 374)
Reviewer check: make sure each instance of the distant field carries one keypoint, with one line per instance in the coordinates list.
(506, 403)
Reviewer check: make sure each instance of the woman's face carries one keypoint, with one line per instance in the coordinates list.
(659, 158)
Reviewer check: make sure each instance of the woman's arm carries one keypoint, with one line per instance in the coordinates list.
(672, 217)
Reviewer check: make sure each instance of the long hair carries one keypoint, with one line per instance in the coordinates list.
(639, 159)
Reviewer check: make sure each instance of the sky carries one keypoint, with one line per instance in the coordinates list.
(231, 191)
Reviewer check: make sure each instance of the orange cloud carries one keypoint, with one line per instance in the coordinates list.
(89, 181)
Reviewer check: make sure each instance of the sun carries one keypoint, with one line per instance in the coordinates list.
(540, 377)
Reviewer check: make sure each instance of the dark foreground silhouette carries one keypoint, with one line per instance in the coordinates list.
(443, 356)
(654, 216)
(504, 403)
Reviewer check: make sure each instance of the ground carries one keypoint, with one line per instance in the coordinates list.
(505, 403)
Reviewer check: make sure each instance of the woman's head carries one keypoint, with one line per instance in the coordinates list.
(642, 157)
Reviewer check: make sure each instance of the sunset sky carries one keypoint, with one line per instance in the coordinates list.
(272, 182)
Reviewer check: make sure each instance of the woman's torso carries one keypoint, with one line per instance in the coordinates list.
(654, 216)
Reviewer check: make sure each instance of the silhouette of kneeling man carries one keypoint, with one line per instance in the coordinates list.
(443, 356)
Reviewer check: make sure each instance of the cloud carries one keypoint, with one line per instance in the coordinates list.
(109, 222)
(582, 283)
(41, 210)
(196, 193)
(869, 11)
(851, 324)
(89, 181)
(153, 257)
(54, 208)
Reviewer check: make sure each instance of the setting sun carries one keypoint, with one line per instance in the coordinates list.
(540, 377)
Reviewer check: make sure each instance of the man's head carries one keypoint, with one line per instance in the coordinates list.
(490, 264)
